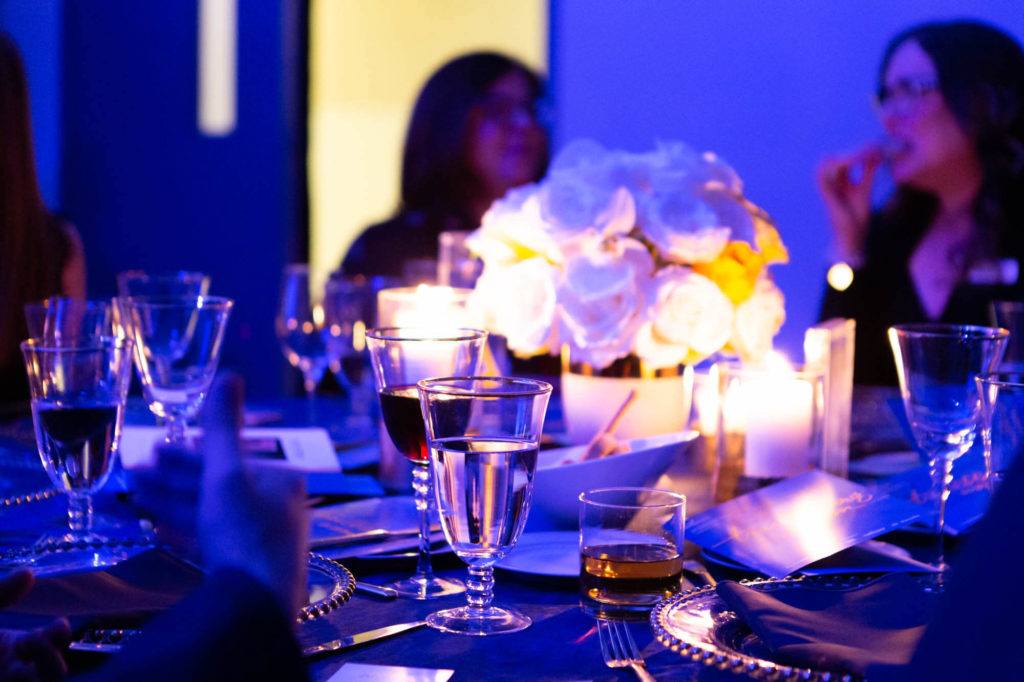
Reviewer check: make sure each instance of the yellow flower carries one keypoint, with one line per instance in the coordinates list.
(769, 243)
(735, 271)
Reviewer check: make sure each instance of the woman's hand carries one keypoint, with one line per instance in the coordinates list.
(845, 184)
(34, 654)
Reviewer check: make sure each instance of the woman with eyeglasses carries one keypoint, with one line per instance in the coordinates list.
(474, 135)
(951, 237)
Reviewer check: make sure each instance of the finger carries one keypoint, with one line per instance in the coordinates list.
(35, 649)
(15, 585)
(222, 421)
(58, 632)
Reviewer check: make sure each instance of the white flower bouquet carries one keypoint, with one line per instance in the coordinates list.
(657, 255)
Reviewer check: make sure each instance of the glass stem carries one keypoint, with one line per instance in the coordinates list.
(480, 589)
(942, 479)
(80, 513)
(175, 431)
(986, 449)
(422, 493)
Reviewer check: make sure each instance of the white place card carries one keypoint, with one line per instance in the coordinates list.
(364, 672)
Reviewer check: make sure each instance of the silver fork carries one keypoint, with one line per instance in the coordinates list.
(619, 649)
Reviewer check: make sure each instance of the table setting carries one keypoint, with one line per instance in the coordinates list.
(682, 502)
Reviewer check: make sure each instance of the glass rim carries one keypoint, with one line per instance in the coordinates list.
(439, 386)
(82, 303)
(93, 345)
(938, 330)
(427, 334)
(172, 301)
(163, 274)
(994, 378)
(679, 498)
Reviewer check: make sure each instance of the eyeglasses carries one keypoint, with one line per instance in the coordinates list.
(905, 95)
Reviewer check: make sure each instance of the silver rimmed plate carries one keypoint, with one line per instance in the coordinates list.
(330, 585)
(698, 625)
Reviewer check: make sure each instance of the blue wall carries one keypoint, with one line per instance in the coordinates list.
(35, 26)
(147, 190)
(772, 87)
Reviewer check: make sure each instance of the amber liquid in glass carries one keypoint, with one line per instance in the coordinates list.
(629, 574)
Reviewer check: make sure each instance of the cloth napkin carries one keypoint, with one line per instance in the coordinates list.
(813, 627)
(133, 589)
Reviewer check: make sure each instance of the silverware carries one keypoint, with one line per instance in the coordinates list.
(375, 535)
(376, 590)
(619, 650)
(102, 640)
(698, 569)
(361, 638)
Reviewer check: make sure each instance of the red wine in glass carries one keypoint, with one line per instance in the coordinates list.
(400, 408)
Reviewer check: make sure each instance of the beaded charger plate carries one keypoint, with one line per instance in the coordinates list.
(698, 625)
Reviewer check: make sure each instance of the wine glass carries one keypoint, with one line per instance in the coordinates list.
(300, 328)
(484, 435)
(68, 321)
(937, 365)
(1002, 428)
(349, 306)
(401, 356)
(177, 349)
(180, 283)
(78, 397)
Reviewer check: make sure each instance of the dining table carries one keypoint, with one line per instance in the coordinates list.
(561, 644)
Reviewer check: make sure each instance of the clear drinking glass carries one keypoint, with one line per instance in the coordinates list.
(1002, 427)
(1010, 316)
(631, 548)
(68, 321)
(180, 283)
(349, 307)
(937, 365)
(78, 396)
(484, 434)
(177, 349)
(305, 340)
(401, 356)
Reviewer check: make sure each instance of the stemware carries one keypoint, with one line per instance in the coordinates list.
(484, 435)
(1002, 427)
(349, 305)
(78, 397)
(937, 365)
(177, 349)
(401, 356)
(68, 321)
(180, 283)
(305, 340)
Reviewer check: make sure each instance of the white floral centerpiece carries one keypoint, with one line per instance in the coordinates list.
(657, 255)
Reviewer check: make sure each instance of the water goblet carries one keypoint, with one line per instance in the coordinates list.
(78, 397)
(300, 328)
(68, 321)
(1002, 426)
(177, 349)
(401, 356)
(484, 435)
(937, 365)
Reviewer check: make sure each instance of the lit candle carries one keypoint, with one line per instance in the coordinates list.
(423, 306)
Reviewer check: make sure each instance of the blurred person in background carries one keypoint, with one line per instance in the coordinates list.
(41, 255)
(951, 237)
(474, 135)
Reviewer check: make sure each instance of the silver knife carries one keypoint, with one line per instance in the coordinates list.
(361, 638)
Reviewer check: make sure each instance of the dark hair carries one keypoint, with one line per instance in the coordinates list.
(981, 78)
(31, 251)
(435, 178)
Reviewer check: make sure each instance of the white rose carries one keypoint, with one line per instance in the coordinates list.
(683, 227)
(517, 301)
(513, 230)
(758, 320)
(603, 298)
(691, 318)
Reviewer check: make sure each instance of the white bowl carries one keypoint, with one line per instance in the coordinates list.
(557, 486)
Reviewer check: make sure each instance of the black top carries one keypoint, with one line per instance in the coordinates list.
(882, 294)
(384, 249)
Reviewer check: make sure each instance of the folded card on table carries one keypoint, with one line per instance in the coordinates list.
(968, 496)
(785, 526)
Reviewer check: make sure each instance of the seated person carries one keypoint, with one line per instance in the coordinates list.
(474, 135)
(949, 240)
